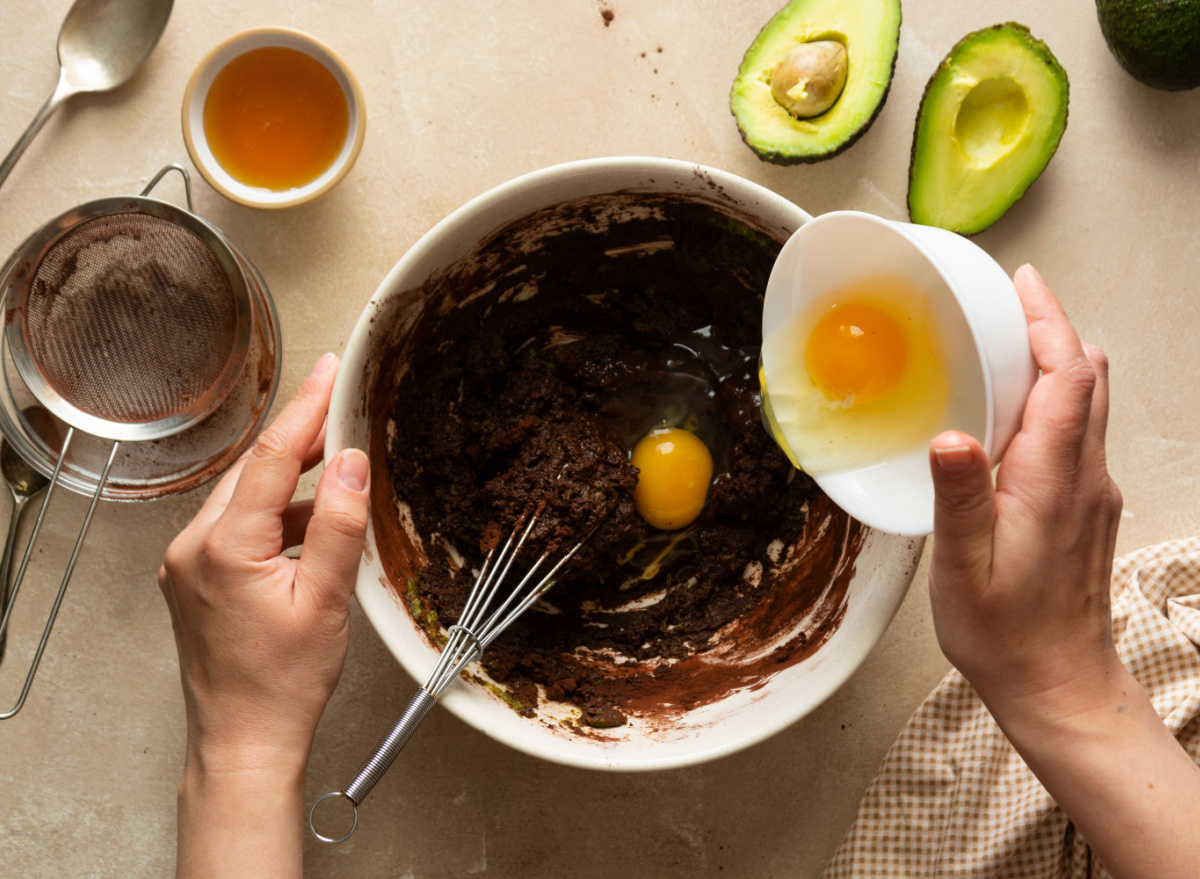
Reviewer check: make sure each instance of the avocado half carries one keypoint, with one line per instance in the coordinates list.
(990, 120)
(870, 31)
(1156, 41)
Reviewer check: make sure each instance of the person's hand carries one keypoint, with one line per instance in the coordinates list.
(1019, 584)
(262, 637)
(1019, 576)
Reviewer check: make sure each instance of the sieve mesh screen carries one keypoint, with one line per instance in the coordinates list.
(131, 318)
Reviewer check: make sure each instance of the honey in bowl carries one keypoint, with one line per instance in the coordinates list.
(276, 118)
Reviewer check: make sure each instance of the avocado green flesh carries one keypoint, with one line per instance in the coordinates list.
(870, 31)
(1156, 41)
(990, 121)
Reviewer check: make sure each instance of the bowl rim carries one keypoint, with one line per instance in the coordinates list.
(375, 599)
(262, 37)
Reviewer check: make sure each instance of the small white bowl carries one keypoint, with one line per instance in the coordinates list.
(882, 570)
(196, 93)
(983, 334)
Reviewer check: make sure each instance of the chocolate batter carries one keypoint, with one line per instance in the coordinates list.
(540, 361)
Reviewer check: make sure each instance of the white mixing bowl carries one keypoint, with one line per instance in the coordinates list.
(878, 577)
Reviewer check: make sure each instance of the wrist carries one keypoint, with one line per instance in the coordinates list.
(239, 814)
(1075, 710)
(228, 738)
(1116, 771)
(1063, 677)
(244, 785)
(252, 761)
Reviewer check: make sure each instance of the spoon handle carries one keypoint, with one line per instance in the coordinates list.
(6, 564)
(62, 91)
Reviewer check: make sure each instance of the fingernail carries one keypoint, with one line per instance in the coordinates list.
(1036, 274)
(352, 470)
(323, 364)
(954, 459)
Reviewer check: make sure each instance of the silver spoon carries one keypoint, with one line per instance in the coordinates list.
(25, 483)
(101, 44)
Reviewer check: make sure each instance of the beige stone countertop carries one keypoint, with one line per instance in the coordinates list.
(462, 96)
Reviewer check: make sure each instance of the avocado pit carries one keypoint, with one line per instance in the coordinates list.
(809, 79)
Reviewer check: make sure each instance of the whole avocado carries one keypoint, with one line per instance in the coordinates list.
(1156, 41)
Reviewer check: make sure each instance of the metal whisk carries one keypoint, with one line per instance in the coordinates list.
(487, 614)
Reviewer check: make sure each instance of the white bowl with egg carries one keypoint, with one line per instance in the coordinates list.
(957, 357)
(875, 579)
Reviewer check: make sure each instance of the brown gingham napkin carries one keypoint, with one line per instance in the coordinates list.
(953, 799)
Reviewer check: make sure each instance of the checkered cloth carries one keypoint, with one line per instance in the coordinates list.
(953, 799)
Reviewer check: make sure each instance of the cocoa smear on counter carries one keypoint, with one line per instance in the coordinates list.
(492, 393)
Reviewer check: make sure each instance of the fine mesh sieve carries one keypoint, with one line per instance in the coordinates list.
(129, 319)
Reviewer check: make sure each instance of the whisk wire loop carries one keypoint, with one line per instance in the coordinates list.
(474, 609)
(533, 595)
(477, 627)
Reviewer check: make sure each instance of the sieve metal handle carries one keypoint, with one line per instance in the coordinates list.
(378, 763)
(187, 183)
(62, 589)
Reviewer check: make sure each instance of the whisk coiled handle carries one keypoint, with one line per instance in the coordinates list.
(389, 747)
(379, 762)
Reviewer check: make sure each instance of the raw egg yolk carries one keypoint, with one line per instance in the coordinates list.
(856, 352)
(675, 469)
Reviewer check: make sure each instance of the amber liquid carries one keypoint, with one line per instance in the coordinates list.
(276, 118)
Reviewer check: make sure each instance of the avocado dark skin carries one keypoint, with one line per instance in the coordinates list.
(1156, 41)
